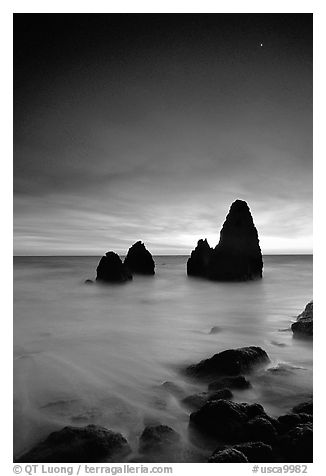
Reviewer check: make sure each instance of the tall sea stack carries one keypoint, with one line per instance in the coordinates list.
(139, 259)
(237, 257)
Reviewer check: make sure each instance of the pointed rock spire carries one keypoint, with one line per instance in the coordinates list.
(237, 257)
(139, 259)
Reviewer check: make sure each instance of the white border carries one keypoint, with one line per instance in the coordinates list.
(168, 6)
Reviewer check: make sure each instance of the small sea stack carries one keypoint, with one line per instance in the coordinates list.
(199, 260)
(237, 257)
(112, 270)
(139, 260)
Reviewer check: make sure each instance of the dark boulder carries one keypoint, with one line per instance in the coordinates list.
(228, 455)
(291, 420)
(229, 362)
(304, 325)
(139, 259)
(256, 451)
(87, 444)
(239, 382)
(297, 445)
(223, 419)
(199, 399)
(198, 263)
(158, 438)
(112, 270)
(237, 257)
(229, 421)
(261, 429)
(305, 407)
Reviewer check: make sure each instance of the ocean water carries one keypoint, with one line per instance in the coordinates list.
(100, 353)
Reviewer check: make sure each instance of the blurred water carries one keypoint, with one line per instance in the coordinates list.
(99, 354)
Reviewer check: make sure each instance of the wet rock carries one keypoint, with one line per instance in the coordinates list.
(291, 420)
(256, 451)
(215, 330)
(86, 444)
(228, 455)
(239, 382)
(223, 419)
(304, 325)
(229, 362)
(261, 429)
(237, 257)
(198, 263)
(112, 270)
(297, 445)
(199, 399)
(158, 438)
(305, 407)
(229, 421)
(139, 259)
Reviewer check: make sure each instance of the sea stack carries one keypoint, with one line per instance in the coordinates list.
(112, 270)
(139, 260)
(237, 257)
(199, 260)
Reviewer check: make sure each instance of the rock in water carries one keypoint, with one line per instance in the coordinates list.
(229, 362)
(158, 438)
(139, 259)
(198, 263)
(304, 325)
(237, 257)
(228, 455)
(112, 270)
(87, 444)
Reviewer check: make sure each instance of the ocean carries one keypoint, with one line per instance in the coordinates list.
(100, 353)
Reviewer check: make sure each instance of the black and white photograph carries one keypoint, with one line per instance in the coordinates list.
(163, 239)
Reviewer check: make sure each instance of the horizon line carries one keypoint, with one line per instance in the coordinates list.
(153, 254)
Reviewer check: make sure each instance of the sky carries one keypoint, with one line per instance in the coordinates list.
(147, 127)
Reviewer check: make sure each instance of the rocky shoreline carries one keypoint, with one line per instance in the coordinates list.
(236, 431)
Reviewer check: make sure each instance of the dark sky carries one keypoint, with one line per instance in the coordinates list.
(141, 126)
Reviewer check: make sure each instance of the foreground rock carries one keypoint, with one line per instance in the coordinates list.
(229, 421)
(254, 452)
(139, 259)
(297, 444)
(157, 438)
(229, 362)
(305, 407)
(228, 455)
(112, 270)
(237, 257)
(304, 325)
(248, 429)
(198, 263)
(87, 444)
